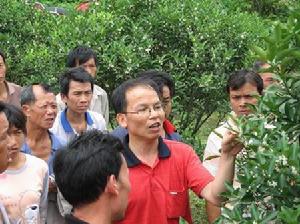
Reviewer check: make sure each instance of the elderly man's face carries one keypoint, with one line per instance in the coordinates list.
(3, 142)
(43, 111)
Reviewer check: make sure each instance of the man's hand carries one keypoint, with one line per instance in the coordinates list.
(230, 144)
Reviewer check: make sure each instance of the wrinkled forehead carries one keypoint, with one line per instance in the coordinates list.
(41, 95)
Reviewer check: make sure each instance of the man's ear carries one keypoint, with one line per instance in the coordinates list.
(26, 109)
(122, 120)
(63, 98)
(112, 185)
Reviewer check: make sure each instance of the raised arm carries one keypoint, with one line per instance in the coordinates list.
(230, 148)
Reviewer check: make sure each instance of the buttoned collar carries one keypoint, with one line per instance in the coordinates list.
(131, 159)
(66, 124)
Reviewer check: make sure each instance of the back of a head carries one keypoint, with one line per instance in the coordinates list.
(16, 118)
(83, 167)
(160, 78)
(239, 78)
(80, 55)
(27, 95)
(77, 74)
(118, 97)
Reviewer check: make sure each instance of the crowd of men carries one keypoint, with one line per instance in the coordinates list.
(59, 164)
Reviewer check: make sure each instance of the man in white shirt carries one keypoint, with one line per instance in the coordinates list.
(85, 57)
(76, 90)
(243, 87)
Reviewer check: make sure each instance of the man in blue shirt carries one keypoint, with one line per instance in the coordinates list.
(76, 90)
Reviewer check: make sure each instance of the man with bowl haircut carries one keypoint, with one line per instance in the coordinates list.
(92, 175)
(76, 90)
(161, 171)
(243, 88)
(87, 58)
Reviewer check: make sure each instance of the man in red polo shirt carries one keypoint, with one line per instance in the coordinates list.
(161, 171)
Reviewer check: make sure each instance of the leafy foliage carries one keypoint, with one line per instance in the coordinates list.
(198, 42)
(268, 169)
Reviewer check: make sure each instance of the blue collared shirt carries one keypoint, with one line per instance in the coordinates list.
(56, 144)
(63, 129)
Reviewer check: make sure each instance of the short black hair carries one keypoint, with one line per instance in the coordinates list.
(16, 117)
(2, 55)
(2, 106)
(119, 94)
(82, 168)
(77, 74)
(80, 54)
(239, 78)
(27, 94)
(161, 79)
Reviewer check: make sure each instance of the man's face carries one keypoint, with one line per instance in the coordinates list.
(142, 125)
(17, 138)
(239, 99)
(89, 66)
(267, 77)
(43, 111)
(124, 189)
(3, 142)
(79, 97)
(167, 101)
(2, 70)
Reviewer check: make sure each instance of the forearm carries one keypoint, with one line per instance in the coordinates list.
(225, 173)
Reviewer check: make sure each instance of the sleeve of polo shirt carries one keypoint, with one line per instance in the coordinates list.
(197, 175)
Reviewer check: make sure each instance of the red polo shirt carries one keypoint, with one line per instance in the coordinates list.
(159, 194)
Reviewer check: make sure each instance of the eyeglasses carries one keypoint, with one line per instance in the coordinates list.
(146, 111)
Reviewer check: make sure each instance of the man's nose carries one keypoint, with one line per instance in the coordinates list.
(83, 98)
(243, 101)
(153, 113)
(10, 141)
(51, 110)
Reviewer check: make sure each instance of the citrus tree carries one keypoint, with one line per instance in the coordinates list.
(268, 168)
